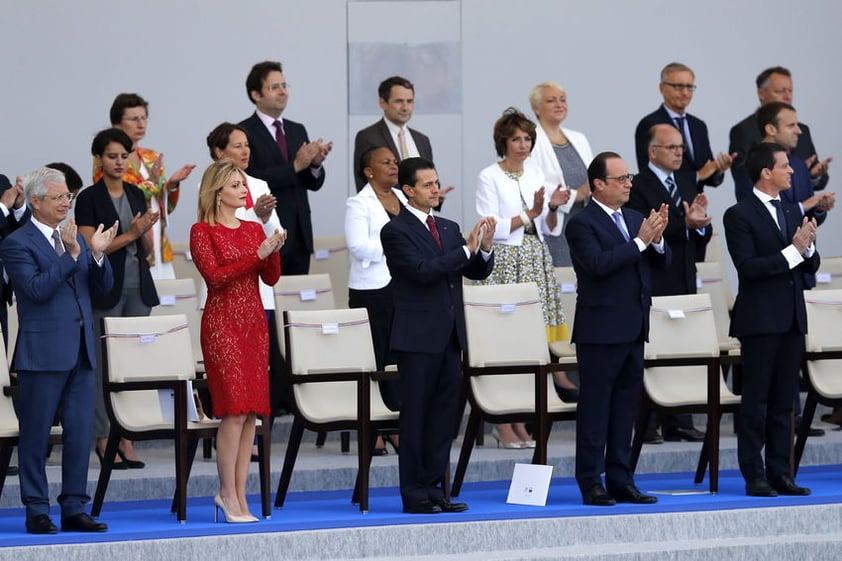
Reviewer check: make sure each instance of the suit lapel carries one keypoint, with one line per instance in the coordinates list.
(766, 218)
(420, 230)
(383, 128)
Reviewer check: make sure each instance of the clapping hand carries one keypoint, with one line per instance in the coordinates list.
(560, 196)
(805, 234)
(695, 215)
(264, 205)
(653, 225)
(271, 244)
(100, 239)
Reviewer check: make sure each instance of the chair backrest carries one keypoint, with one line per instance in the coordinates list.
(178, 296)
(710, 280)
(824, 318)
(8, 418)
(324, 341)
(713, 251)
(301, 292)
(566, 279)
(145, 348)
(829, 275)
(185, 268)
(330, 256)
(682, 325)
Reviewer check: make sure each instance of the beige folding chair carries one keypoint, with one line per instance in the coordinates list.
(507, 368)
(822, 359)
(566, 279)
(141, 357)
(829, 275)
(681, 373)
(330, 356)
(9, 428)
(179, 296)
(330, 256)
(713, 251)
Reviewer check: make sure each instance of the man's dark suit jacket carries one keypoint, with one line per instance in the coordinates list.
(613, 278)
(94, 207)
(771, 295)
(746, 134)
(649, 193)
(378, 135)
(427, 282)
(698, 136)
(8, 224)
(289, 188)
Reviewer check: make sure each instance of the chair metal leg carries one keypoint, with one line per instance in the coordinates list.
(264, 447)
(5, 459)
(105, 472)
(192, 447)
(704, 457)
(474, 422)
(293, 445)
(355, 496)
(207, 448)
(321, 437)
(803, 430)
(639, 434)
(345, 441)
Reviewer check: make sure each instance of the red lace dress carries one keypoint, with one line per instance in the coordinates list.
(235, 335)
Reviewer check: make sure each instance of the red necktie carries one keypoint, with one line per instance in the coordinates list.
(249, 200)
(434, 230)
(281, 140)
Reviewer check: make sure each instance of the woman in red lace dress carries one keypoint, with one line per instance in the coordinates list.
(231, 254)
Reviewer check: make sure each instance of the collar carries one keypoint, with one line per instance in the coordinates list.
(420, 215)
(47, 231)
(764, 197)
(393, 128)
(267, 120)
(673, 115)
(608, 210)
(661, 174)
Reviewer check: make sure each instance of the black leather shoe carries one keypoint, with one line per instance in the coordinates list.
(447, 506)
(82, 523)
(567, 395)
(597, 496)
(40, 524)
(690, 435)
(422, 507)
(652, 436)
(631, 494)
(759, 487)
(785, 485)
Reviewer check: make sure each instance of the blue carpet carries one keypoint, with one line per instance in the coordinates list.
(142, 520)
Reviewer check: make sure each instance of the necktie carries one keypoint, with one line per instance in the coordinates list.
(674, 194)
(281, 139)
(402, 144)
(434, 230)
(780, 212)
(688, 150)
(57, 243)
(618, 220)
(249, 200)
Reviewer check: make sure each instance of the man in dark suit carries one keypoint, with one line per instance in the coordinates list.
(397, 100)
(771, 245)
(773, 84)
(12, 214)
(687, 233)
(54, 273)
(427, 258)
(283, 156)
(612, 252)
(699, 165)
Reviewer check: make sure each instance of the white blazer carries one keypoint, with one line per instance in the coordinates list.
(498, 196)
(364, 217)
(544, 157)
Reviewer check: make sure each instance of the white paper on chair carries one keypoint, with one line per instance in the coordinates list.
(167, 299)
(824, 278)
(321, 254)
(530, 485)
(167, 400)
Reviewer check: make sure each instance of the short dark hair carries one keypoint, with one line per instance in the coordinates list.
(218, 137)
(764, 76)
(125, 101)
(367, 155)
(768, 114)
(408, 170)
(71, 178)
(761, 156)
(384, 90)
(105, 137)
(257, 75)
(599, 168)
(506, 126)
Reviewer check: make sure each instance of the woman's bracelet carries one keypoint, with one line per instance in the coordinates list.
(524, 217)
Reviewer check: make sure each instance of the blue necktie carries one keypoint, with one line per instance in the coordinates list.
(618, 220)
(780, 212)
(688, 150)
(675, 196)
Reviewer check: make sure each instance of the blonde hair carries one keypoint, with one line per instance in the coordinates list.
(537, 93)
(213, 180)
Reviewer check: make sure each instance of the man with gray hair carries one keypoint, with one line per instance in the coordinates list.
(53, 272)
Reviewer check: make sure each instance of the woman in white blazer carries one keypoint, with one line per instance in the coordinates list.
(369, 279)
(563, 156)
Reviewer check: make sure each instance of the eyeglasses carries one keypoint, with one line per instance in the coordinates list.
(58, 198)
(671, 147)
(681, 87)
(136, 120)
(622, 178)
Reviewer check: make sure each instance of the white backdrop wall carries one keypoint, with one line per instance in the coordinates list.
(63, 62)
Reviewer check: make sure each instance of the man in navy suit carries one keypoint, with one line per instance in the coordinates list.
(397, 100)
(612, 249)
(771, 245)
(12, 215)
(677, 87)
(283, 156)
(54, 273)
(427, 258)
(774, 84)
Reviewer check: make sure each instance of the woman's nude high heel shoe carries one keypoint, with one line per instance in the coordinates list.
(502, 443)
(230, 518)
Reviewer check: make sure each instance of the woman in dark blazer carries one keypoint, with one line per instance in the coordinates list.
(107, 201)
